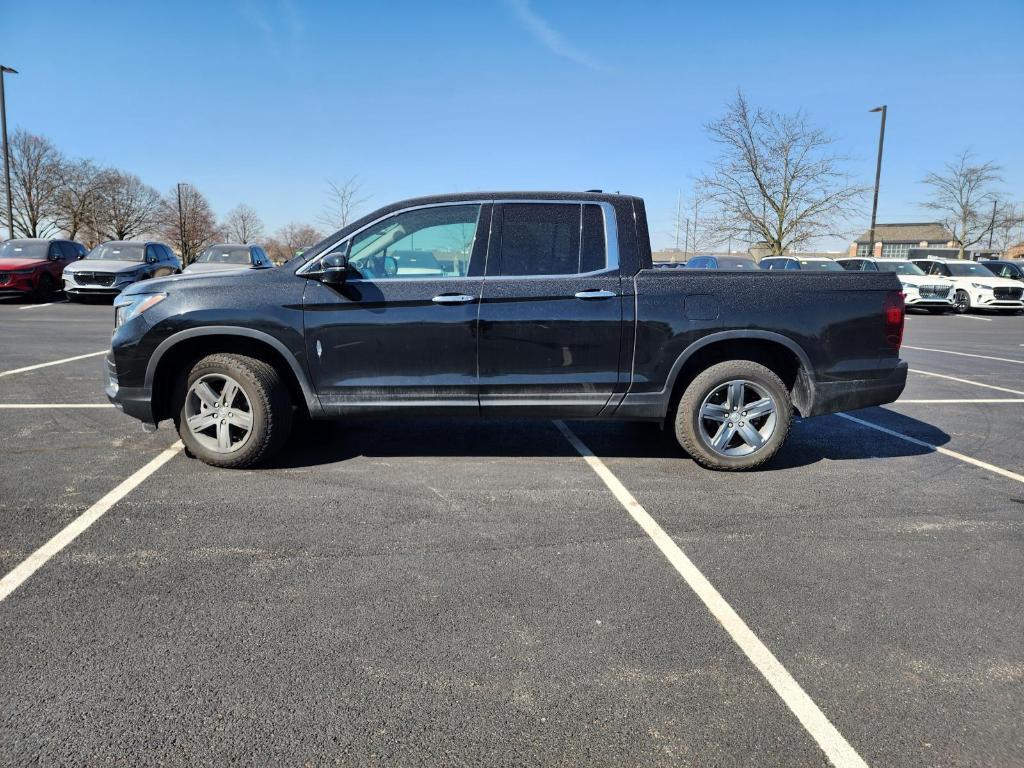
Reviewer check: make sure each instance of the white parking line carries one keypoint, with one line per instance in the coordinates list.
(831, 741)
(52, 362)
(51, 406)
(901, 401)
(936, 448)
(47, 304)
(967, 381)
(965, 354)
(972, 317)
(76, 527)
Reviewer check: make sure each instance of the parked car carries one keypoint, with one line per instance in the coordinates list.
(32, 267)
(1011, 270)
(546, 305)
(921, 291)
(228, 256)
(111, 267)
(721, 262)
(975, 285)
(800, 262)
(669, 264)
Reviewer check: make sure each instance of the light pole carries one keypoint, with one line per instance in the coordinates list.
(878, 176)
(181, 227)
(7, 157)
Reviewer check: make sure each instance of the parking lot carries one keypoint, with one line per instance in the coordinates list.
(481, 593)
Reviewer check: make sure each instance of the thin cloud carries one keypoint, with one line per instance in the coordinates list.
(550, 38)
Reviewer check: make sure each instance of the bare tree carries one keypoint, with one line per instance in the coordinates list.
(776, 179)
(1009, 226)
(77, 197)
(35, 180)
(242, 225)
(125, 207)
(342, 201)
(186, 220)
(963, 195)
(289, 239)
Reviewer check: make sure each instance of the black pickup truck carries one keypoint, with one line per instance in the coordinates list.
(524, 304)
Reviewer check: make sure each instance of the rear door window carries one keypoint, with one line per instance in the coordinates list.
(540, 239)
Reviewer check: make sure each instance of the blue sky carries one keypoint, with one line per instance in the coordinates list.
(260, 102)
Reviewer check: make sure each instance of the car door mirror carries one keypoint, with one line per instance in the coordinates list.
(333, 269)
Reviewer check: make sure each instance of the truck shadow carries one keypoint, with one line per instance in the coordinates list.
(829, 438)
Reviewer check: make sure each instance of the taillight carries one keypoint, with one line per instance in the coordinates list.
(893, 310)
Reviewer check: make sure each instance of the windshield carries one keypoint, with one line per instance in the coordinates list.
(118, 252)
(821, 264)
(967, 269)
(24, 249)
(224, 254)
(900, 267)
(726, 262)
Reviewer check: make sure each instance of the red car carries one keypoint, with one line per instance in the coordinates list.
(33, 267)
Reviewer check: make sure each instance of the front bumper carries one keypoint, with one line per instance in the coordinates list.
(16, 285)
(836, 396)
(136, 402)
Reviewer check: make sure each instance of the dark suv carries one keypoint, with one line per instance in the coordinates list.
(33, 267)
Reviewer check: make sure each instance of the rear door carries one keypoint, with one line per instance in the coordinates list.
(402, 330)
(551, 310)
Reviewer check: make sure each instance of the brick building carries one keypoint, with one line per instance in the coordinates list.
(896, 240)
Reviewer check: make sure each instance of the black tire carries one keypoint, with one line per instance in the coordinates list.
(688, 421)
(270, 410)
(938, 311)
(45, 290)
(963, 302)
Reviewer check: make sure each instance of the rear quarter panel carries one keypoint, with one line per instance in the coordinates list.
(835, 318)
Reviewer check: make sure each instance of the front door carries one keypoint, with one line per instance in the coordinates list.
(402, 331)
(551, 311)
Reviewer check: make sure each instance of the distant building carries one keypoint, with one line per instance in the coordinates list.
(1015, 252)
(895, 240)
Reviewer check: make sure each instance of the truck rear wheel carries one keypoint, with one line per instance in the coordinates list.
(233, 411)
(734, 416)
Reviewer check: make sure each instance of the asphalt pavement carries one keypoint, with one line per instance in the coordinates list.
(473, 593)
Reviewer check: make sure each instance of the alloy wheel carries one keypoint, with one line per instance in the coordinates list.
(737, 418)
(218, 413)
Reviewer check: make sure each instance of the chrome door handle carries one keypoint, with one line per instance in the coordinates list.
(453, 298)
(596, 294)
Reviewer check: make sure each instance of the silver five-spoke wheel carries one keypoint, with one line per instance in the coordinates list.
(737, 418)
(218, 413)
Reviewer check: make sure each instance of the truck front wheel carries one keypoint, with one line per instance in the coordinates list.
(233, 411)
(734, 416)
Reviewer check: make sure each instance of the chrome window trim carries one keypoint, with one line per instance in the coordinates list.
(611, 240)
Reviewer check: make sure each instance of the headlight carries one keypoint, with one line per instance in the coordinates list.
(127, 307)
(909, 287)
(981, 287)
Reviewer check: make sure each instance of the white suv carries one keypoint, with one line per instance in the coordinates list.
(976, 286)
(935, 294)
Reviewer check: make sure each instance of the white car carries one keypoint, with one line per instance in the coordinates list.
(976, 286)
(922, 290)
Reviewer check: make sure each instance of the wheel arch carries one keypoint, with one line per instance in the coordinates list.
(777, 352)
(177, 353)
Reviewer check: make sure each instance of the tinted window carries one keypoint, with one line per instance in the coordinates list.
(151, 254)
(540, 239)
(850, 265)
(820, 264)
(772, 264)
(735, 262)
(701, 262)
(68, 250)
(792, 264)
(427, 243)
(593, 252)
(967, 269)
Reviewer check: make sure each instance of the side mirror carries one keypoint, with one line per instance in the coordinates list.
(334, 269)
